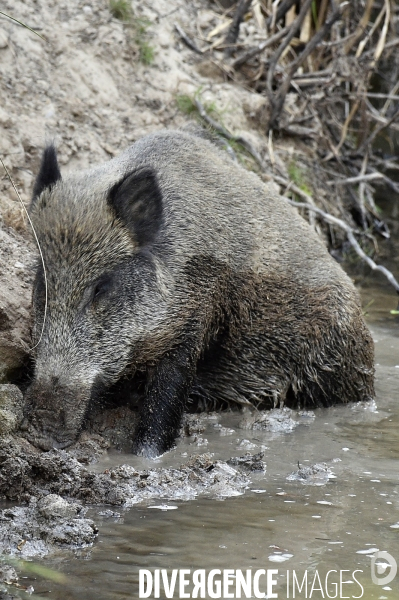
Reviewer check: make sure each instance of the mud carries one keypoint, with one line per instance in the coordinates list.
(249, 462)
(16, 275)
(50, 522)
(43, 526)
(53, 489)
(282, 420)
(26, 472)
(317, 474)
(11, 408)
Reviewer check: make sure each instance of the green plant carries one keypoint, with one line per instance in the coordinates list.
(186, 104)
(242, 154)
(368, 305)
(42, 571)
(121, 9)
(34, 570)
(314, 14)
(298, 176)
(146, 51)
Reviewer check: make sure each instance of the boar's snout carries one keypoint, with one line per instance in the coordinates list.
(53, 416)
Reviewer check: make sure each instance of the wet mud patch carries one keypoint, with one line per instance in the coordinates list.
(283, 420)
(43, 526)
(218, 456)
(317, 474)
(52, 490)
(44, 480)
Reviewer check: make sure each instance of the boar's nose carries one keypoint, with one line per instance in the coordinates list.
(48, 419)
(43, 438)
(46, 430)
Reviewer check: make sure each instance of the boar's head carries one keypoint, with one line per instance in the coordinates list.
(98, 300)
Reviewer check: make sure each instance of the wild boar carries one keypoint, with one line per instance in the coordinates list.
(174, 261)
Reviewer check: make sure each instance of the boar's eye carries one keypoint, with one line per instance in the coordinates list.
(100, 288)
(95, 292)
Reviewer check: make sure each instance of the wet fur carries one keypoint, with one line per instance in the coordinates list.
(174, 261)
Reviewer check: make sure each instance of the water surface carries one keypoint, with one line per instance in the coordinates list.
(277, 523)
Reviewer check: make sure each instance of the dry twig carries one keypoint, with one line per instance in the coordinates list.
(243, 7)
(309, 205)
(278, 53)
(277, 101)
(368, 142)
(187, 40)
(260, 48)
(281, 11)
(351, 239)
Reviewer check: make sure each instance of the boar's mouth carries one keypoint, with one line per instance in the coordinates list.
(42, 439)
(53, 418)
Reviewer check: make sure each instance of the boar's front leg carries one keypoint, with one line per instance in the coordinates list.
(166, 397)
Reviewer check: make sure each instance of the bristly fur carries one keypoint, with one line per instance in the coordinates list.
(137, 201)
(49, 172)
(173, 261)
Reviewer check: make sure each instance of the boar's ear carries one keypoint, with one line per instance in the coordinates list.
(137, 201)
(49, 172)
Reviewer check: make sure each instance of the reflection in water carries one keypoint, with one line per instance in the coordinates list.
(278, 523)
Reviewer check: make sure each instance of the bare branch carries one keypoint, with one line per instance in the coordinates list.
(357, 179)
(187, 40)
(260, 48)
(350, 233)
(278, 101)
(276, 56)
(308, 204)
(367, 143)
(283, 8)
(243, 7)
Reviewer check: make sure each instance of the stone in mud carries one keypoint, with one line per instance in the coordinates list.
(53, 506)
(28, 531)
(278, 420)
(317, 474)
(75, 533)
(11, 408)
(249, 462)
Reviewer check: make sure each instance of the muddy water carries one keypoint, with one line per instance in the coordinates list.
(277, 524)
